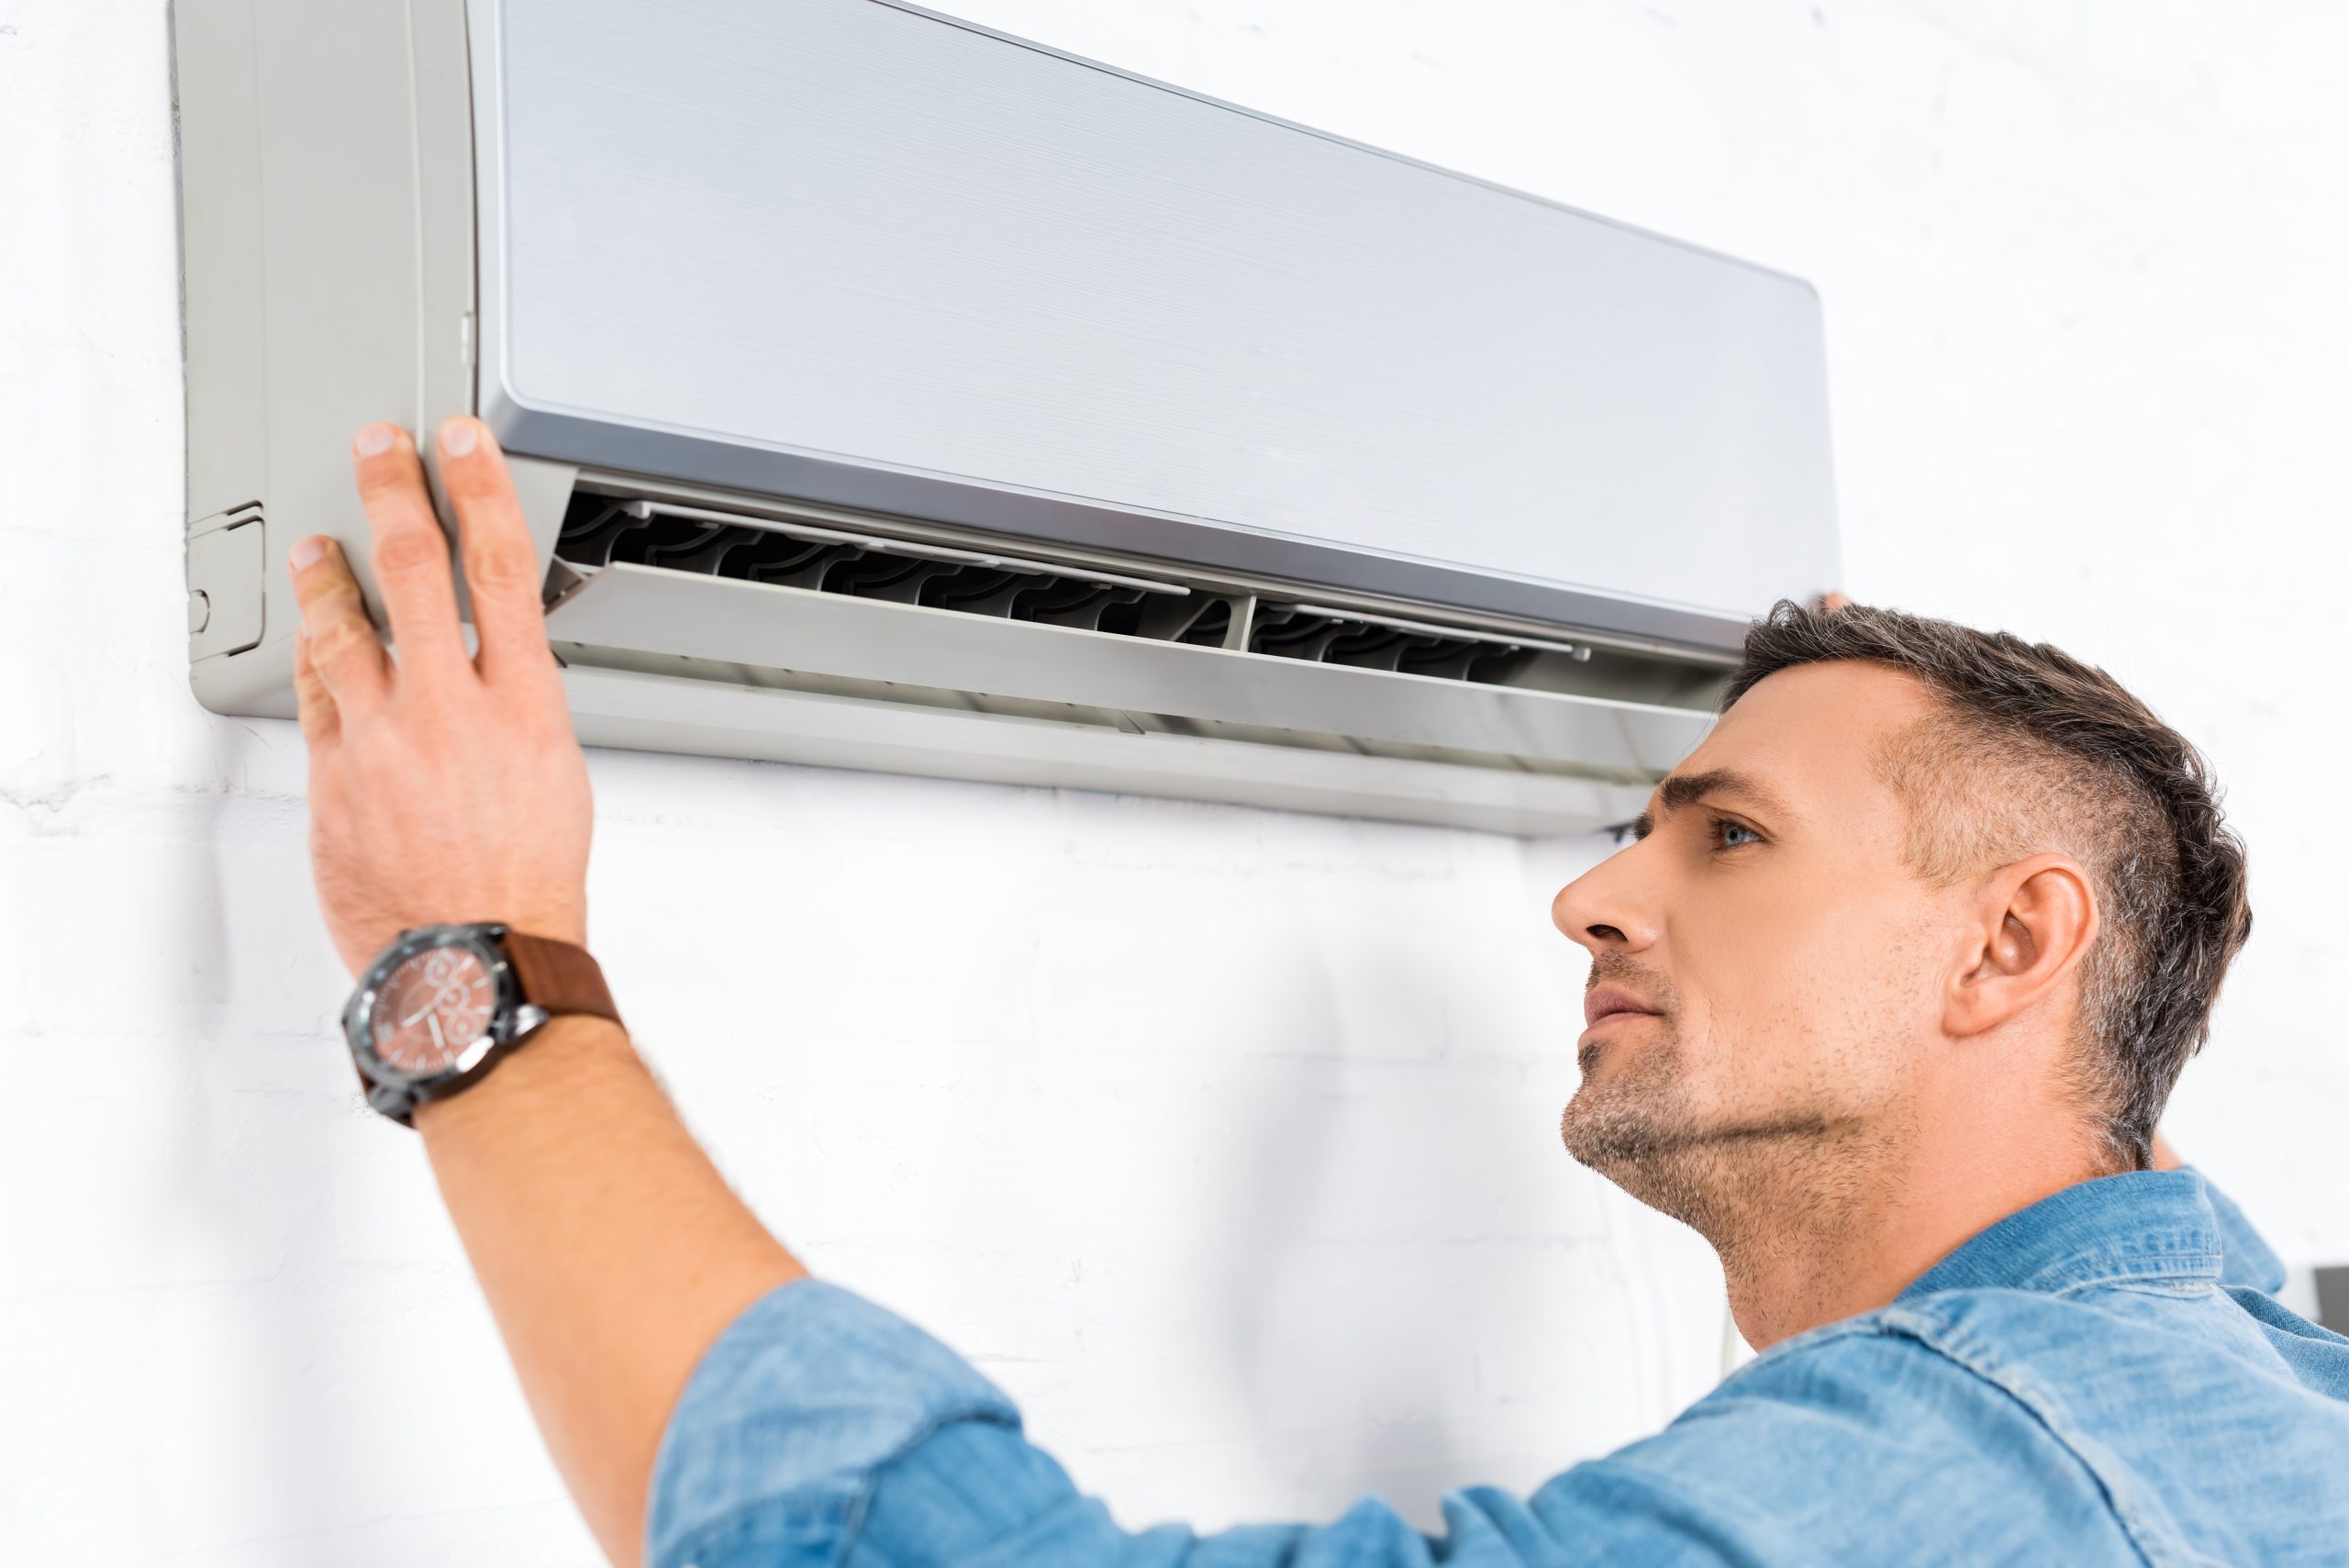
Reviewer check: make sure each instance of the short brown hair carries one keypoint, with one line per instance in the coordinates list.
(2029, 750)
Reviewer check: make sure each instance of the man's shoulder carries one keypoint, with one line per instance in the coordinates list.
(1975, 1361)
(1910, 1367)
(1918, 1382)
(2103, 1418)
(1866, 1439)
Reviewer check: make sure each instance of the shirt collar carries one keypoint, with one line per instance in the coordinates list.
(2142, 1225)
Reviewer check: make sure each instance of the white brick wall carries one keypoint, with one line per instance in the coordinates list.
(1224, 1139)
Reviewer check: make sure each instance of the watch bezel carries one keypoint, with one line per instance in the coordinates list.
(358, 1018)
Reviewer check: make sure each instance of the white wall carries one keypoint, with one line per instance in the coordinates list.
(1225, 1139)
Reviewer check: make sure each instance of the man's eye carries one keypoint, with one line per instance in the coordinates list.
(1733, 834)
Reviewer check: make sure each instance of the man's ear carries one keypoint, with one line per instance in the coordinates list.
(2036, 919)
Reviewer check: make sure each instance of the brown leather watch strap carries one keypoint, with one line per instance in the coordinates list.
(559, 977)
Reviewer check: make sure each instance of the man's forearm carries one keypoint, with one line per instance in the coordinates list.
(610, 1250)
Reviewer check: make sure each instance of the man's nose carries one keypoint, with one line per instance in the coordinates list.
(1613, 906)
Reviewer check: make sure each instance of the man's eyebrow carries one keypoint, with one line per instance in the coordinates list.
(1688, 789)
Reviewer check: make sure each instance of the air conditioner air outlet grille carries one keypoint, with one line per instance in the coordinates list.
(601, 529)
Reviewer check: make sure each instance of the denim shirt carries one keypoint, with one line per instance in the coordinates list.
(2098, 1379)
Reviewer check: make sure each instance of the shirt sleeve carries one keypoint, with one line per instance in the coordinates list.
(2249, 1261)
(770, 1452)
(820, 1429)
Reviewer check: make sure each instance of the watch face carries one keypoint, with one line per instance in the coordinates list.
(432, 1010)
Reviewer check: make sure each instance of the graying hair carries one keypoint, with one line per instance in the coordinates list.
(2028, 750)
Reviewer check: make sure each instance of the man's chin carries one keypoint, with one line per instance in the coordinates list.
(1668, 1158)
(1604, 1143)
(1606, 1124)
(1668, 1163)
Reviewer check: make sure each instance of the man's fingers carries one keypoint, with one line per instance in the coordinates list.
(501, 565)
(1832, 601)
(313, 704)
(338, 645)
(411, 553)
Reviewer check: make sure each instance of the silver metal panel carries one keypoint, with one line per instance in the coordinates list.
(852, 251)
(327, 215)
(647, 713)
(220, 254)
(661, 612)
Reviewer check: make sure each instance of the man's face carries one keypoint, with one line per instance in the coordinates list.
(1765, 968)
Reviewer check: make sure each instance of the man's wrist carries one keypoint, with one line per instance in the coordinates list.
(564, 1050)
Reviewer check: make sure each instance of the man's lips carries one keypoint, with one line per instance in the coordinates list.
(1604, 1003)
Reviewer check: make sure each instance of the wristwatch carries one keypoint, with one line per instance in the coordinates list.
(445, 1004)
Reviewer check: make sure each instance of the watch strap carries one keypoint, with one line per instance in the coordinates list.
(557, 977)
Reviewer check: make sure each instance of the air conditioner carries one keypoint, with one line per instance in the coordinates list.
(888, 393)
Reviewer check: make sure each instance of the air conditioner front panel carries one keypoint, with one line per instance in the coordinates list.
(882, 393)
(861, 254)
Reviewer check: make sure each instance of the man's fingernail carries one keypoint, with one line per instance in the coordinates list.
(375, 440)
(457, 436)
(308, 552)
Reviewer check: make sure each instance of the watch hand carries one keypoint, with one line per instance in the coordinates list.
(409, 1023)
(434, 1019)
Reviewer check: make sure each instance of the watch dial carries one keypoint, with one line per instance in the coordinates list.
(431, 1009)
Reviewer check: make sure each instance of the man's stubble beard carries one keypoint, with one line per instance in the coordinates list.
(1747, 1184)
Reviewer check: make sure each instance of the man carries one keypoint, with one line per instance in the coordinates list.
(1885, 1001)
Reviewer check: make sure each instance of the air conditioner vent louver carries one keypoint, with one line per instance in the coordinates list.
(602, 530)
(599, 530)
(1335, 636)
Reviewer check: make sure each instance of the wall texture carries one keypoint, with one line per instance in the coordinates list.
(1225, 1139)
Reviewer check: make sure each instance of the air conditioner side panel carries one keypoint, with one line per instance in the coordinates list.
(327, 213)
(225, 334)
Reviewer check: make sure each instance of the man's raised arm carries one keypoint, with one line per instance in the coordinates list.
(636, 1293)
(447, 788)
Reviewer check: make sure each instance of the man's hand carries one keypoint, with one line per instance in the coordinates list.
(444, 787)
